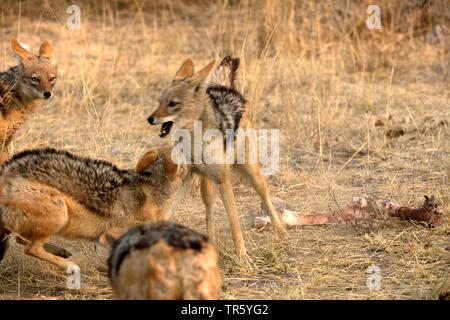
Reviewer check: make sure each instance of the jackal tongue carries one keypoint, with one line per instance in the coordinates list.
(165, 128)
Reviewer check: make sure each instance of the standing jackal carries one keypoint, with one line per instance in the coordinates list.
(23, 89)
(47, 192)
(213, 100)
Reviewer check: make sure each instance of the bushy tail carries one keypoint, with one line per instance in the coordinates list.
(225, 74)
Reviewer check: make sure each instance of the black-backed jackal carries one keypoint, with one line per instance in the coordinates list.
(49, 192)
(164, 261)
(23, 89)
(213, 100)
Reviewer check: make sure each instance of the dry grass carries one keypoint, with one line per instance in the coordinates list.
(337, 91)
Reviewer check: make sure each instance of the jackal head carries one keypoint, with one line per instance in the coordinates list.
(38, 73)
(174, 170)
(181, 103)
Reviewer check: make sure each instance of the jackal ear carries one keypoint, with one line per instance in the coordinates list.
(186, 70)
(23, 54)
(46, 51)
(148, 158)
(201, 75)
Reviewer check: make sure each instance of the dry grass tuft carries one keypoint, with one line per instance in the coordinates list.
(359, 111)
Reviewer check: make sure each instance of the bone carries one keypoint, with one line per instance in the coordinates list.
(360, 208)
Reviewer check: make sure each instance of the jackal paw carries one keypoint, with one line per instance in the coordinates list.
(245, 259)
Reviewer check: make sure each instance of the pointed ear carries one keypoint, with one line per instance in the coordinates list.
(186, 70)
(201, 75)
(46, 50)
(148, 158)
(21, 52)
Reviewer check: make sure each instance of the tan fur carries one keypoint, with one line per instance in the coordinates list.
(20, 96)
(193, 104)
(148, 158)
(37, 211)
(162, 272)
(186, 70)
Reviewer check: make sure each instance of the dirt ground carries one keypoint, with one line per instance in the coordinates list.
(360, 112)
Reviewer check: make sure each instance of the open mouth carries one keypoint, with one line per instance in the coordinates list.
(165, 128)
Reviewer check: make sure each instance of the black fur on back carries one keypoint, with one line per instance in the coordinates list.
(147, 235)
(94, 183)
(228, 104)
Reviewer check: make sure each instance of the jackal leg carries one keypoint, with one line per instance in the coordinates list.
(36, 249)
(180, 194)
(253, 173)
(53, 249)
(208, 191)
(36, 212)
(226, 191)
(37, 246)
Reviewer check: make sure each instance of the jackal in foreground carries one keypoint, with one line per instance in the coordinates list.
(210, 97)
(164, 261)
(23, 89)
(46, 192)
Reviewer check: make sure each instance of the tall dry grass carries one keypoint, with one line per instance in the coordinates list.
(359, 111)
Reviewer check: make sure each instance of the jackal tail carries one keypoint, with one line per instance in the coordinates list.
(225, 74)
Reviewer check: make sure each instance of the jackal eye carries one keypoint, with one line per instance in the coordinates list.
(52, 79)
(34, 79)
(173, 103)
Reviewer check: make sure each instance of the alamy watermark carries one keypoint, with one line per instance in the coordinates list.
(74, 20)
(74, 279)
(374, 20)
(238, 146)
(374, 281)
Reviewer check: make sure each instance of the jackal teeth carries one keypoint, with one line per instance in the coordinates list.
(165, 128)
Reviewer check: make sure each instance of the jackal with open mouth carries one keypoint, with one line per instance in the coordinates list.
(210, 97)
